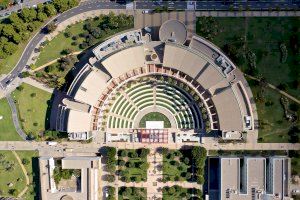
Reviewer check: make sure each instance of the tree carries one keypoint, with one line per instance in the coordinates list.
(186, 160)
(33, 94)
(25, 161)
(13, 192)
(67, 51)
(50, 10)
(28, 14)
(143, 152)
(25, 74)
(51, 27)
(19, 88)
(110, 178)
(60, 82)
(8, 31)
(10, 48)
(42, 17)
(110, 151)
(17, 22)
(63, 5)
(33, 26)
(122, 153)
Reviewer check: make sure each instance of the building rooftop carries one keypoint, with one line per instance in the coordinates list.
(173, 31)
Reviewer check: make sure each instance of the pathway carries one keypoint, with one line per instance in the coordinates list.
(15, 117)
(25, 174)
(275, 88)
(54, 61)
(37, 84)
(154, 175)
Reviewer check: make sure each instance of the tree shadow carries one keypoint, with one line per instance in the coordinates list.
(36, 177)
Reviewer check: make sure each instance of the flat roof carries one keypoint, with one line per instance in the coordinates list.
(77, 162)
(78, 121)
(91, 87)
(229, 113)
(173, 30)
(124, 61)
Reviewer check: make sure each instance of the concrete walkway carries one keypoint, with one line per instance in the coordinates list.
(25, 174)
(37, 84)
(15, 117)
(54, 61)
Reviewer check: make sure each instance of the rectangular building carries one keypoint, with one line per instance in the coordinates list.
(89, 174)
(254, 178)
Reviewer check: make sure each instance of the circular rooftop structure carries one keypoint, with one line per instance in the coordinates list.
(173, 31)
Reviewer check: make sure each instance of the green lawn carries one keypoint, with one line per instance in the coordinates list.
(7, 129)
(53, 50)
(155, 116)
(264, 34)
(33, 111)
(273, 125)
(135, 173)
(32, 169)
(10, 172)
(174, 167)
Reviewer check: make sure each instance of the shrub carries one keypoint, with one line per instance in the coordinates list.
(25, 161)
(33, 94)
(20, 88)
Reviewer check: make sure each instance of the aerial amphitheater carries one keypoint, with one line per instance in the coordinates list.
(159, 85)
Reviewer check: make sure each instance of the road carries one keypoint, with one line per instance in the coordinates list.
(25, 4)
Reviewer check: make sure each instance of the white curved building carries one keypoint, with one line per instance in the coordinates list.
(99, 100)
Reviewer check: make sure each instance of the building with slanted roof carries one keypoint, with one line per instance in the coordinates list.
(125, 58)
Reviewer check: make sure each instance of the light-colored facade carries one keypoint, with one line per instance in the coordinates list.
(254, 178)
(89, 185)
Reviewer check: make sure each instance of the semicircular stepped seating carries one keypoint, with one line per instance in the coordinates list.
(140, 96)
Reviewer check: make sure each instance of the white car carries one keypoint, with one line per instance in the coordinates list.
(52, 143)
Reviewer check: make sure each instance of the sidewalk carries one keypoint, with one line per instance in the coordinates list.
(37, 84)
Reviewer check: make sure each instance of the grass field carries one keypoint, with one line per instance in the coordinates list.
(33, 173)
(33, 110)
(136, 172)
(273, 125)
(174, 168)
(14, 176)
(155, 116)
(263, 37)
(53, 50)
(7, 129)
